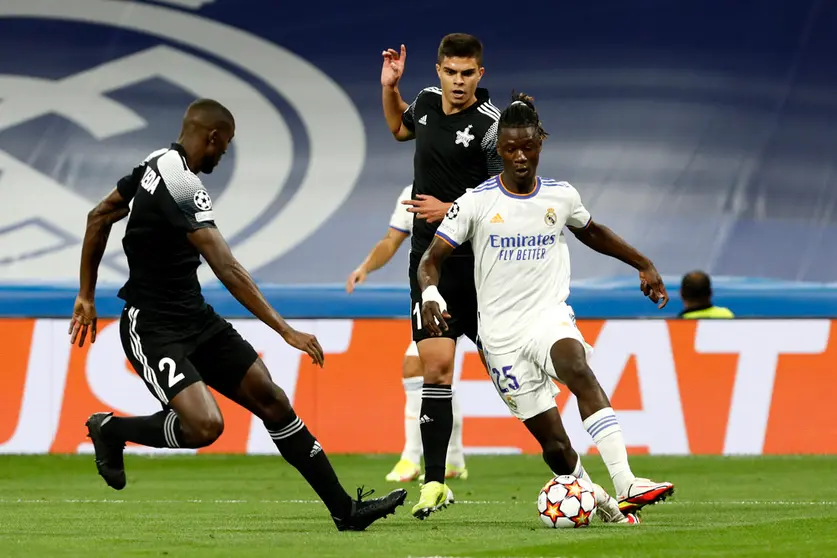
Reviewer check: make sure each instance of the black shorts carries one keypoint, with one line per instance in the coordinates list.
(456, 285)
(172, 353)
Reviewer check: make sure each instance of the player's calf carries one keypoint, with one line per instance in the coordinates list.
(559, 456)
(556, 448)
(570, 363)
(202, 430)
(257, 393)
(198, 417)
(194, 421)
(302, 450)
(299, 448)
(436, 417)
(548, 429)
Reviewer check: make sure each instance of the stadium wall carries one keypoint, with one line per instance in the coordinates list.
(680, 387)
(602, 298)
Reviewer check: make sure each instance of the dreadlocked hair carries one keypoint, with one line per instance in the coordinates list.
(521, 113)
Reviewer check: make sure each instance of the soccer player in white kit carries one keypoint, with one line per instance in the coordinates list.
(408, 467)
(528, 334)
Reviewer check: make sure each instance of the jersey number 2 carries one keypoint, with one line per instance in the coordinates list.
(174, 376)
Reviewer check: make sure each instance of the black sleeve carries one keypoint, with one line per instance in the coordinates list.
(493, 161)
(184, 201)
(127, 185)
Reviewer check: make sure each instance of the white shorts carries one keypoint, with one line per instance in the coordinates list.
(412, 350)
(525, 378)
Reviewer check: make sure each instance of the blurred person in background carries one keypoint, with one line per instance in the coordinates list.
(696, 292)
(408, 467)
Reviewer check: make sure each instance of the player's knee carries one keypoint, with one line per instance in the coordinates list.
(437, 369)
(272, 404)
(580, 370)
(438, 374)
(412, 367)
(576, 373)
(203, 430)
(437, 358)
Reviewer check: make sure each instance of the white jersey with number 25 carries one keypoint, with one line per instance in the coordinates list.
(522, 264)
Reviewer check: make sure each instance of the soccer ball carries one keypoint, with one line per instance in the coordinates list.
(566, 501)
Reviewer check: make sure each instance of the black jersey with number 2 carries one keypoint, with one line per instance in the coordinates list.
(167, 202)
(454, 153)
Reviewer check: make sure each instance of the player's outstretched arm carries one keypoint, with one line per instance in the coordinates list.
(101, 218)
(394, 104)
(603, 240)
(433, 306)
(378, 257)
(215, 250)
(111, 209)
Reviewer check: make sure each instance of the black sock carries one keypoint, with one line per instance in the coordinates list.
(160, 430)
(436, 424)
(299, 448)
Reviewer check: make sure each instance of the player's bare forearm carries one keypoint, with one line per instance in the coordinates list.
(605, 241)
(383, 251)
(394, 107)
(430, 265)
(92, 249)
(241, 285)
(215, 250)
(99, 222)
(402, 104)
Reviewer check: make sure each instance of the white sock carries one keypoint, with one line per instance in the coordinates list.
(412, 409)
(607, 434)
(581, 473)
(455, 455)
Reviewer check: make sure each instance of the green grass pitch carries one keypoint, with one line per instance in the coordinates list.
(207, 506)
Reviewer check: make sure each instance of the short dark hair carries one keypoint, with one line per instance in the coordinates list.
(460, 45)
(210, 112)
(696, 285)
(521, 113)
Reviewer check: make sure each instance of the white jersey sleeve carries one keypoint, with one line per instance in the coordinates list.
(459, 223)
(579, 217)
(401, 219)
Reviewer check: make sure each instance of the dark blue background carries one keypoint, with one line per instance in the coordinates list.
(703, 132)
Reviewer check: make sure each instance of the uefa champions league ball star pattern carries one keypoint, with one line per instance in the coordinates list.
(566, 502)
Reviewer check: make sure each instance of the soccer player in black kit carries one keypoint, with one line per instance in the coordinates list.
(175, 341)
(455, 129)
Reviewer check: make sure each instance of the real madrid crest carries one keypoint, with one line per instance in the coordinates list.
(511, 402)
(550, 218)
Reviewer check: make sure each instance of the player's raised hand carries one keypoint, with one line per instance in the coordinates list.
(84, 319)
(433, 318)
(306, 343)
(652, 286)
(428, 208)
(393, 67)
(355, 278)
